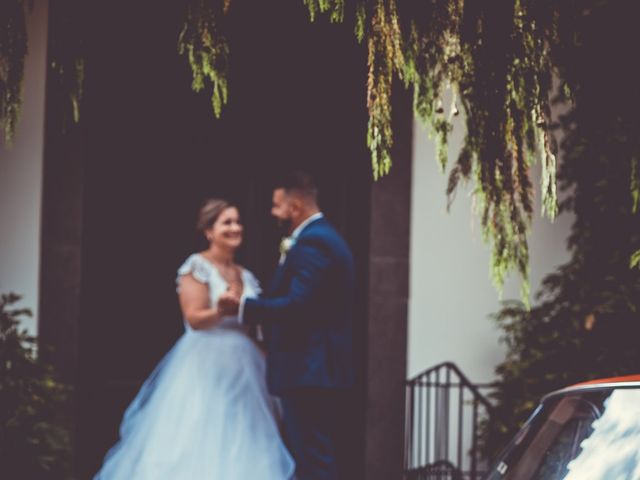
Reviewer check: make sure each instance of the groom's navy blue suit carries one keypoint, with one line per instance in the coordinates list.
(307, 312)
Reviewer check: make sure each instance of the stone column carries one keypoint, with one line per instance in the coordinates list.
(388, 304)
(62, 213)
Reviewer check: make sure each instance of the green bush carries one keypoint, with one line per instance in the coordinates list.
(35, 441)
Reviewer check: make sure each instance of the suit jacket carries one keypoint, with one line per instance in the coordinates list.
(308, 313)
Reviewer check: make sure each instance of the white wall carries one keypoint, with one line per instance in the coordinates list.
(21, 176)
(451, 293)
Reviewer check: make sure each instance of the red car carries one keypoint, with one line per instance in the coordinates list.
(590, 431)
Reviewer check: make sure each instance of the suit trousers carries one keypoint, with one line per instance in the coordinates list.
(315, 426)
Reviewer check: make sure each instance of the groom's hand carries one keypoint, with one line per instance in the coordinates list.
(228, 303)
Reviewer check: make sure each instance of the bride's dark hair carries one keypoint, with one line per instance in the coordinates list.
(210, 211)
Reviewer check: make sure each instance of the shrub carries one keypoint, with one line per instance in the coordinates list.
(35, 441)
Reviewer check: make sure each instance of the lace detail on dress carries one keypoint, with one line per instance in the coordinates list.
(198, 267)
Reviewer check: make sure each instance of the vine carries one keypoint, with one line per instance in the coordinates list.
(496, 64)
(67, 67)
(13, 50)
(204, 44)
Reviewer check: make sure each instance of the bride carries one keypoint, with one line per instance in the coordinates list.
(205, 412)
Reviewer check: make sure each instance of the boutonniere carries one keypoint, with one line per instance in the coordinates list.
(285, 245)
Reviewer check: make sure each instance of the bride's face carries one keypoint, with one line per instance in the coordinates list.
(227, 230)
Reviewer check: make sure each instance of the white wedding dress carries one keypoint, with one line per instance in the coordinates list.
(205, 412)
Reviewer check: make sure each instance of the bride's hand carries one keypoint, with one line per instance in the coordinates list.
(228, 303)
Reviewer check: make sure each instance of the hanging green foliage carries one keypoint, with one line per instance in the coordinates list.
(335, 9)
(493, 62)
(205, 45)
(385, 58)
(66, 66)
(13, 50)
(586, 323)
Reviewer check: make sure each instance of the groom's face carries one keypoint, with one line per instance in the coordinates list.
(281, 209)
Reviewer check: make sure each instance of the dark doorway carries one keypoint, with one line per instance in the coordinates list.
(152, 150)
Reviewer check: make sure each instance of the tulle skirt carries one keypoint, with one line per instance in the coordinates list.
(203, 414)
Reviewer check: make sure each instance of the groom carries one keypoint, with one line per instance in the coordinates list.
(307, 311)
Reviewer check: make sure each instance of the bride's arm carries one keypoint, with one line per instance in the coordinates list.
(195, 305)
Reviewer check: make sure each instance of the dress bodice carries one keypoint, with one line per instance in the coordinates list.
(207, 273)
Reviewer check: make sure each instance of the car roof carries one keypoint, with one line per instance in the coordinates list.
(627, 381)
(614, 380)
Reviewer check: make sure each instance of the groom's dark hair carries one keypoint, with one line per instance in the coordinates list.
(301, 183)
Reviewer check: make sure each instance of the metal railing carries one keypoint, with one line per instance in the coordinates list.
(443, 411)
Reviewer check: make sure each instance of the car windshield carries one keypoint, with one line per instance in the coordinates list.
(575, 436)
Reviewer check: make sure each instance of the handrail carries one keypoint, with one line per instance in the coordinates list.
(463, 378)
(443, 412)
